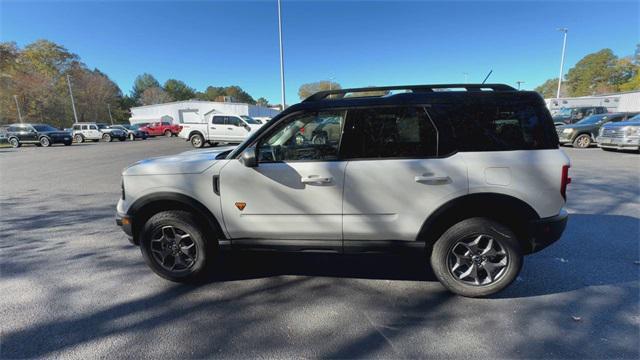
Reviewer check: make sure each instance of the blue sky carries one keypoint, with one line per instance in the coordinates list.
(358, 43)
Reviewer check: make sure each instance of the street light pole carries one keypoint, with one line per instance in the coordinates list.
(564, 46)
(109, 108)
(73, 104)
(281, 57)
(519, 82)
(15, 97)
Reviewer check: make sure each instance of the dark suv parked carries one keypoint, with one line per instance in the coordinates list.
(575, 114)
(583, 133)
(38, 134)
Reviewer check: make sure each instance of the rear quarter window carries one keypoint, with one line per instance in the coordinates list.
(501, 125)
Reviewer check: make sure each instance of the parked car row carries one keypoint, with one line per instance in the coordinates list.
(46, 135)
(608, 130)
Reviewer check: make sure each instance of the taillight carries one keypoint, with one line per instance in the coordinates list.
(566, 180)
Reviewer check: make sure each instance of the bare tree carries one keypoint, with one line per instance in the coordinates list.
(154, 95)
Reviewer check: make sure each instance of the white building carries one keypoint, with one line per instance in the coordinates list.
(194, 111)
(618, 102)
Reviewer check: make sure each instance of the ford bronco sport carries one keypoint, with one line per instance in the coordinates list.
(470, 174)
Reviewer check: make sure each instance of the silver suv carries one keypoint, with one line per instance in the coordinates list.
(472, 177)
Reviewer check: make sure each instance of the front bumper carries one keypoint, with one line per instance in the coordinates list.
(126, 224)
(618, 143)
(544, 232)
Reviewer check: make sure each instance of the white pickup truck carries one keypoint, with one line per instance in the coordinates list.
(218, 128)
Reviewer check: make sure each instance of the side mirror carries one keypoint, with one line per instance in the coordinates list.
(248, 157)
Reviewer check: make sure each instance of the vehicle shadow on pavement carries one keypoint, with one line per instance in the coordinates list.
(595, 250)
(233, 266)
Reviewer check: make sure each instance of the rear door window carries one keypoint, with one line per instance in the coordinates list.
(499, 125)
(389, 132)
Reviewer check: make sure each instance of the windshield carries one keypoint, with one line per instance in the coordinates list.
(44, 128)
(249, 120)
(591, 119)
(635, 118)
(565, 112)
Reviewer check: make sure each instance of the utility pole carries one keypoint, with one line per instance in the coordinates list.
(109, 108)
(284, 102)
(15, 97)
(73, 104)
(564, 46)
(519, 82)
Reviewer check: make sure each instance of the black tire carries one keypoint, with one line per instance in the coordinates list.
(197, 141)
(582, 141)
(44, 141)
(78, 138)
(107, 138)
(15, 143)
(168, 133)
(182, 222)
(132, 137)
(443, 256)
(68, 143)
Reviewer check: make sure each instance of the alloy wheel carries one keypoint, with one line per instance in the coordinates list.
(583, 141)
(14, 142)
(173, 249)
(478, 260)
(45, 142)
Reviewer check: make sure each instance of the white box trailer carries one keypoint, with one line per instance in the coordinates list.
(618, 102)
(193, 111)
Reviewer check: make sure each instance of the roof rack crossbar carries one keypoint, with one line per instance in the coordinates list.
(322, 95)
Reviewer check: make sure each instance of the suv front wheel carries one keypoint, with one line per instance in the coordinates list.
(174, 246)
(476, 257)
(583, 141)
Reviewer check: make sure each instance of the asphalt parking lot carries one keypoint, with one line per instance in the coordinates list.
(73, 287)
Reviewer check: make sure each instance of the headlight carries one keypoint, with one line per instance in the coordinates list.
(632, 130)
(567, 131)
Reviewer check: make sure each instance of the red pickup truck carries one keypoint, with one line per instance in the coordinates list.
(161, 128)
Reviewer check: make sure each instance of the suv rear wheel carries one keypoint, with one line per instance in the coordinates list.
(174, 246)
(78, 138)
(15, 143)
(476, 257)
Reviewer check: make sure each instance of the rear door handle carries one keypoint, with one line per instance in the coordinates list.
(432, 179)
(315, 179)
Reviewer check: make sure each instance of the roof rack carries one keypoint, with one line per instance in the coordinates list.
(340, 93)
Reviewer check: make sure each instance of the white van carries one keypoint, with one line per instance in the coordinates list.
(217, 128)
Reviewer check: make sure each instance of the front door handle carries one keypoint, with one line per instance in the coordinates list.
(315, 179)
(229, 128)
(432, 179)
(213, 127)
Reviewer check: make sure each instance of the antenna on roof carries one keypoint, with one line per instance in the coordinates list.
(489, 74)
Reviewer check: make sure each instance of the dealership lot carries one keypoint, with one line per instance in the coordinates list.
(73, 286)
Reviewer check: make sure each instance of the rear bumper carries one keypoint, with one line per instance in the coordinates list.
(545, 232)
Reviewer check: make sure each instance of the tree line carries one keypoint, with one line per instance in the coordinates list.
(597, 73)
(35, 77)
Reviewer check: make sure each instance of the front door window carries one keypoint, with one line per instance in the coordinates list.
(305, 137)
